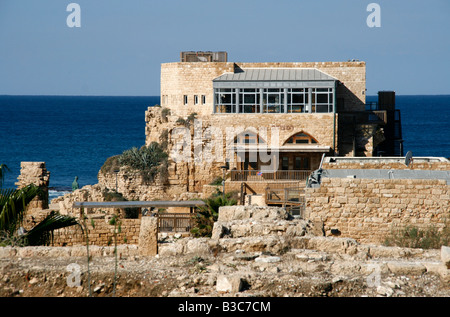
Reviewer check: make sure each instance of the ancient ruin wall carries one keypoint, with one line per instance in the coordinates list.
(100, 234)
(35, 173)
(369, 209)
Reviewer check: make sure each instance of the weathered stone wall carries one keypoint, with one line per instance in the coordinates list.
(369, 209)
(35, 173)
(132, 185)
(88, 193)
(190, 79)
(215, 135)
(99, 234)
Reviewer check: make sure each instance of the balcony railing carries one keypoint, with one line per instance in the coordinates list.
(263, 176)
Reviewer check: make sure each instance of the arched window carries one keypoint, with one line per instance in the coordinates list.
(248, 138)
(301, 138)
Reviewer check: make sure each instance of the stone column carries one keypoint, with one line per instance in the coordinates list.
(148, 236)
(35, 173)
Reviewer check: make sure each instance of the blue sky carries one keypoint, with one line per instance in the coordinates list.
(121, 44)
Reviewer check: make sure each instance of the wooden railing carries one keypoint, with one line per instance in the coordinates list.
(282, 195)
(262, 176)
(293, 199)
(175, 222)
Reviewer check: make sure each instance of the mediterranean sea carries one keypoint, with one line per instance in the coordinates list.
(74, 135)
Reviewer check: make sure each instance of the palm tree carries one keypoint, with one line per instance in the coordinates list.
(208, 213)
(13, 205)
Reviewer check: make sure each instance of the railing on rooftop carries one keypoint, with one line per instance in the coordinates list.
(263, 176)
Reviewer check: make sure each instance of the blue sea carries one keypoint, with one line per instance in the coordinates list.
(74, 135)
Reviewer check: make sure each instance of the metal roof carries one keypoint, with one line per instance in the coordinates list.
(141, 204)
(275, 74)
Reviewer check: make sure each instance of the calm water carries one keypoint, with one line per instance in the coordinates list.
(75, 135)
(425, 124)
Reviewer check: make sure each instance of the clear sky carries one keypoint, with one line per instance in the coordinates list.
(121, 44)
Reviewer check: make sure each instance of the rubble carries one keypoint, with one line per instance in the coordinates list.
(274, 264)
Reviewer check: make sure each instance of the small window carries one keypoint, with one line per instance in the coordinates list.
(203, 99)
(195, 100)
(185, 99)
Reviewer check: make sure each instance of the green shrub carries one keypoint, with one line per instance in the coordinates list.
(413, 237)
(188, 121)
(164, 113)
(148, 160)
(111, 164)
(217, 181)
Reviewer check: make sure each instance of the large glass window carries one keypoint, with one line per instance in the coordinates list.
(322, 100)
(225, 100)
(273, 100)
(249, 101)
(297, 100)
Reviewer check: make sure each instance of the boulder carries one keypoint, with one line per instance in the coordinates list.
(229, 283)
(445, 256)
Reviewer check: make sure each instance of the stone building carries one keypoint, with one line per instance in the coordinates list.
(261, 122)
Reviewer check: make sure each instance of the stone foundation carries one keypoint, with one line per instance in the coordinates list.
(369, 209)
(101, 233)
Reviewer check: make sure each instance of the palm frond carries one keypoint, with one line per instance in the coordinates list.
(13, 205)
(3, 168)
(42, 233)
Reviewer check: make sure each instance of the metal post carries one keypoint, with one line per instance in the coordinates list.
(116, 171)
(223, 180)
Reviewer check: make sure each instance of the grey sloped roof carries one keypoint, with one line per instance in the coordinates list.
(275, 74)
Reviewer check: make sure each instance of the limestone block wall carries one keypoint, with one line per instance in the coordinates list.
(132, 186)
(101, 234)
(369, 209)
(190, 79)
(35, 173)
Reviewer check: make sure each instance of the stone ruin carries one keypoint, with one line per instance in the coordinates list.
(35, 173)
